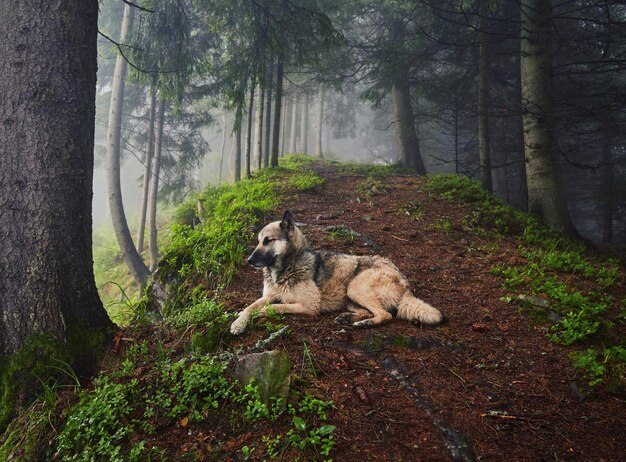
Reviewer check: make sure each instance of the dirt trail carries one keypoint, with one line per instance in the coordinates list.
(487, 385)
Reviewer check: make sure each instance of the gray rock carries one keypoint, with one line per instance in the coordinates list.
(271, 371)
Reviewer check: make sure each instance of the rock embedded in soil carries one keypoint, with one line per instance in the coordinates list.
(271, 372)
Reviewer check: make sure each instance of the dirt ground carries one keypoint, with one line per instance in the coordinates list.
(487, 385)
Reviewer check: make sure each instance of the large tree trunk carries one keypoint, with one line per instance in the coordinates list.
(258, 135)
(268, 117)
(304, 124)
(408, 143)
(293, 138)
(47, 111)
(283, 127)
(277, 110)
(132, 258)
(484, 153)
(545, 194)
(154, 188)
(147, 167)
(320, 119)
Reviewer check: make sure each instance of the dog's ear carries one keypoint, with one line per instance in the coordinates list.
(287, 222)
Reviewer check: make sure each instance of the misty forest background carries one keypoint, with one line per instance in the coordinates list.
(432, 86)
(527, 97)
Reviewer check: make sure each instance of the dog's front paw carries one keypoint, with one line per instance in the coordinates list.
(363, 324)
(344, 318)
(238, 326)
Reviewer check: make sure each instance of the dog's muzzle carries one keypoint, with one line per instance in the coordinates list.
(261, 259)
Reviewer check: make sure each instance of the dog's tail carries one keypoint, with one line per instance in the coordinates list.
(414, 309)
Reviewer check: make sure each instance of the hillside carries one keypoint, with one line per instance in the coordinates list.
(528, 366)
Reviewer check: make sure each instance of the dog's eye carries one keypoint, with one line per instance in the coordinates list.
(267, 240)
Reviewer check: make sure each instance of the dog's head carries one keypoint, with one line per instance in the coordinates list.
(277, 240)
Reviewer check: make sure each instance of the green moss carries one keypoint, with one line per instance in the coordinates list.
(35, 365)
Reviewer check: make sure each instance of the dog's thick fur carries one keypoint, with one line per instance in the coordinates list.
(303, 281)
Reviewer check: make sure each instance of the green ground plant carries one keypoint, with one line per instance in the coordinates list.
(552, 261)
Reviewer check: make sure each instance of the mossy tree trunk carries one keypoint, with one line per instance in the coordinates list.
(545, 193)
(47, 111)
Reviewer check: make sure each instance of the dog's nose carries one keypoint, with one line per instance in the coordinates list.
(250, 259)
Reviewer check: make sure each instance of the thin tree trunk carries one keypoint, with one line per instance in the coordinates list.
(607, 190)
(249, 129)
(283, 127)
(545, 193)
(47, 287)
(277, 111)
(237, 151)
(268, 117)
(154, 188)
(320, 119)
(484, 153)
(258, 139)
(132, 258)
(304, 124)
(219, 181)
(147, 166)
(293, 147)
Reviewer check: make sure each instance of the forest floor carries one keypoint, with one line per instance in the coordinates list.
(487, 385)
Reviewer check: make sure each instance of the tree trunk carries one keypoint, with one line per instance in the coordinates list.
(293, 140)
(219, 180)
(132, 258)
(545, 194)
(47, 111)
(607, 189)
(147, 167)
(154, 188)
(304, 124)
(249, 124)
(283, 127)
(484, 153)
(320, 119)
(277, 110)
(408, 143)
(237, 147)
(268, 117)
(258, 137)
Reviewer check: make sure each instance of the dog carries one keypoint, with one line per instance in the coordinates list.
(368, 289)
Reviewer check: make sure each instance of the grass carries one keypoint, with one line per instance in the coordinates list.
(572, 280)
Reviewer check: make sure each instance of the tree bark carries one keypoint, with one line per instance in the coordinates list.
(154, 188)
(132, 258)
(293, 139)
(277, 111)
(484, 153)
(304, 124)
(320, 119)
(258, 137)
(545, 193)
(47, 111)
(147, 167)
(283, 127)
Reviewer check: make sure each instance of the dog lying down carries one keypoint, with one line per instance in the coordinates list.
(368, 289)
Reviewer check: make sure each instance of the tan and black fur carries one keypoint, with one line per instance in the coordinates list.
(369, 289)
